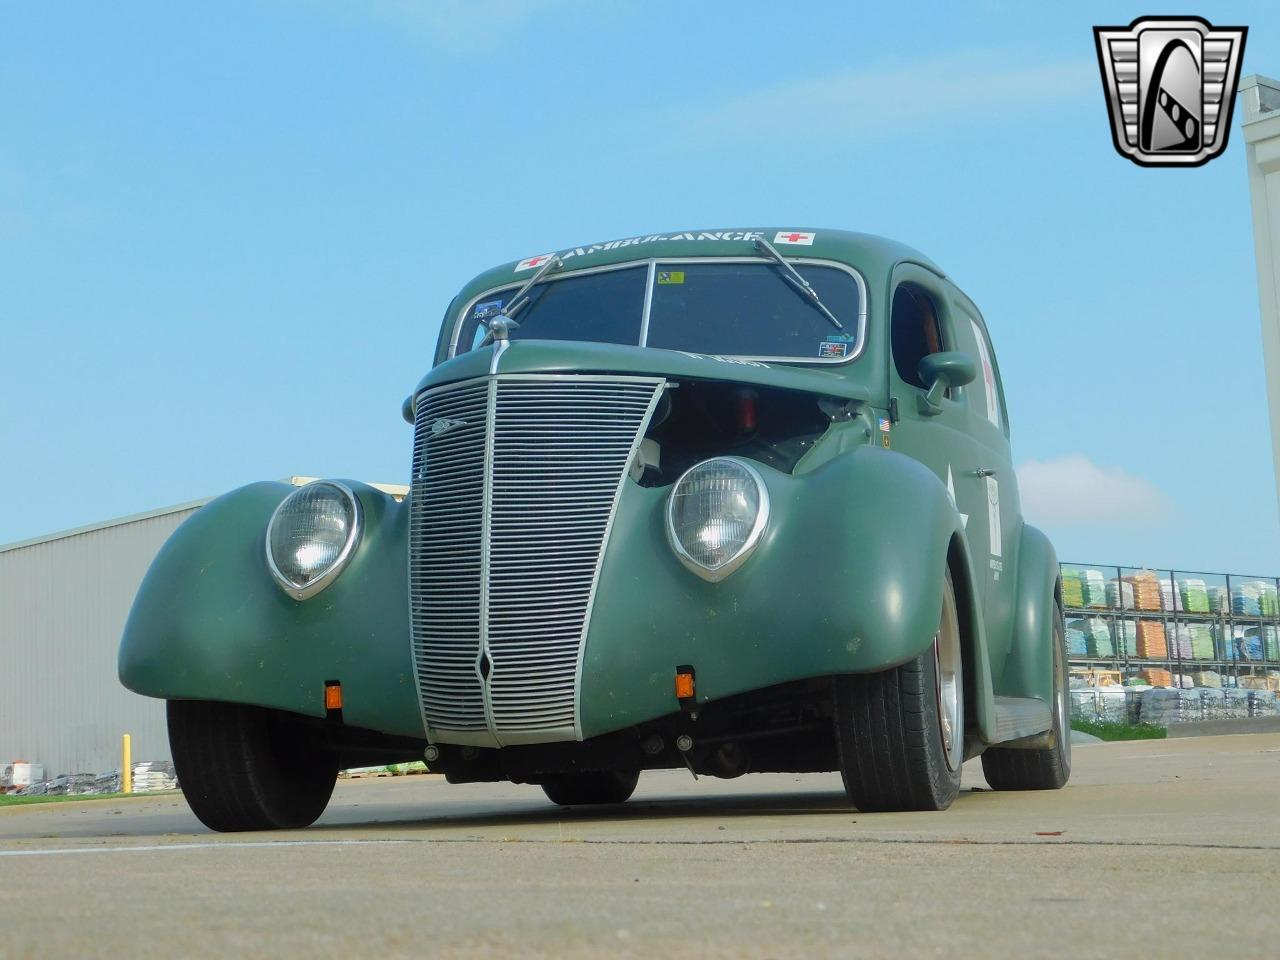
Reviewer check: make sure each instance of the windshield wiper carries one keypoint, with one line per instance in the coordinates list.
(501, 325)
(791, 275)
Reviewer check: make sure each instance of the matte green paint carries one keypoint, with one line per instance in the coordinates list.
(847, 577)
(828, 590)
(209, 622)
(1028, 669)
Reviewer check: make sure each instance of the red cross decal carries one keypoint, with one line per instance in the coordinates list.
(537, 261)
(791, 237)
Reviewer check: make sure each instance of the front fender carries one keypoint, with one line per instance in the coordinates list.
(210, 623)
(847, 579)
(1029, 669)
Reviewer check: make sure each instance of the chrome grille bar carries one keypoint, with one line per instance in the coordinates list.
(446, 520)
(504, 560)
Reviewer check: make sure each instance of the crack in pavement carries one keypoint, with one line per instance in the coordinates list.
(940, 841)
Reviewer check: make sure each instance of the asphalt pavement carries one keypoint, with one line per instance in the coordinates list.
(1158, 848)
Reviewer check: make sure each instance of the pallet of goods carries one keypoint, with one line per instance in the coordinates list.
(1151, 640)
(1146, 590)
(1194, 594)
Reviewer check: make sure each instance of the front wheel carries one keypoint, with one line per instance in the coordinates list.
(242, 768)
(900, 732)
(577, 789)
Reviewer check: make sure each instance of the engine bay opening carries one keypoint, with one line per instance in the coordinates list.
(698, 419)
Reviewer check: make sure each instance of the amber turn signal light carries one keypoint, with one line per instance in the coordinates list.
(684, 684)
(333, 695)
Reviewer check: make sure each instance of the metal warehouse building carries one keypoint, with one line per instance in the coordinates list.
(64, 599)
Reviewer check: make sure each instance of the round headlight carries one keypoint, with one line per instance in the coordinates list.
(311, 537)
(715, 516)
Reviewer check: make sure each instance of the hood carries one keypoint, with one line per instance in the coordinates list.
(852, 381)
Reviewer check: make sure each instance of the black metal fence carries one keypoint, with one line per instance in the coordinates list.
(1171, 628)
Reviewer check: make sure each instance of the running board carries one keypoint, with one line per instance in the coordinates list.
(1019, 717)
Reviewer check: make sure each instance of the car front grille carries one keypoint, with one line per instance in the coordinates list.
(515, 482)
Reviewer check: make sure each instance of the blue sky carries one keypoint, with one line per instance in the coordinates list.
(228, 232)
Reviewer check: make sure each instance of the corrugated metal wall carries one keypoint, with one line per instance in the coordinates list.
(63, 604)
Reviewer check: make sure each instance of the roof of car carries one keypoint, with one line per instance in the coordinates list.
(864, 251)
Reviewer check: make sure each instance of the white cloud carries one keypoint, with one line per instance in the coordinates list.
(1074, 490)
(957, 90)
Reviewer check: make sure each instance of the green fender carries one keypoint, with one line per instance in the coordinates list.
(1029, 670)
(210, 623)
(847, 579)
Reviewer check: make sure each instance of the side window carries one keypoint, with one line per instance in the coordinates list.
(914, 331)
(987, 386)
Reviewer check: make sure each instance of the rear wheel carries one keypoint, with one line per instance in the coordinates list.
(1046, 768)
(900, 732)
(577, 789)
(242, 768)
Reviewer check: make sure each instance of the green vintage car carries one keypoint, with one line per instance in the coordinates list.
(730, 500)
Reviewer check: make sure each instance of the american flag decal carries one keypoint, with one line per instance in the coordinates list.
(884, 425)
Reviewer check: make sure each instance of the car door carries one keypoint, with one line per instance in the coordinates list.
(989, 430)
(922, 322)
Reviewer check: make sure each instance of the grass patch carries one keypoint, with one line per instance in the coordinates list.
(1113, 730)
(8, 800)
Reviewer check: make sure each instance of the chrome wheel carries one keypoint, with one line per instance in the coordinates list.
(948, 679)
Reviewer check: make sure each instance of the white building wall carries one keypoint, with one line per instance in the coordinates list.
(1260, 98)
(63, 605)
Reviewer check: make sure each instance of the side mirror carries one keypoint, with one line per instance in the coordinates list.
(942, 371)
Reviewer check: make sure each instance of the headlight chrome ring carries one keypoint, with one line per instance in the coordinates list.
(716, 514)
(311, 537)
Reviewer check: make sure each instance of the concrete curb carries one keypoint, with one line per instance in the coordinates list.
(1218, 728)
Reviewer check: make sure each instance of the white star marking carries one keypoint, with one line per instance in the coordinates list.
(951, 492)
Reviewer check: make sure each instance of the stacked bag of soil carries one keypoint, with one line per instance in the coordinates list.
(1093, 589)
(1194, 594)
(1126, 637)
(1246, 599)
(1201, 641)
(1096, 634)
(1072, 589)
(1077, 642)
(1178, 640)
(1151, 640)
(1219, 599)
(1268, 599)
(1120, 595)
(1249, 643)
(1146, 590)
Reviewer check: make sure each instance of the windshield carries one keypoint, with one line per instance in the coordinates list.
(718, 307)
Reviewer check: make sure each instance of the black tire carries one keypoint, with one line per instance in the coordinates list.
(893, 751)
(1042, 768)
(577, 789)
(240, 768)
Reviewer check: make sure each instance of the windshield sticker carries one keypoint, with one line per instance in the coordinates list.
(489, 308)
(794, 238)
(833, 349)
(670, 276)
(704, 236)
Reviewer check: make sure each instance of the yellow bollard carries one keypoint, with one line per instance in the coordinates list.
(126, 765)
